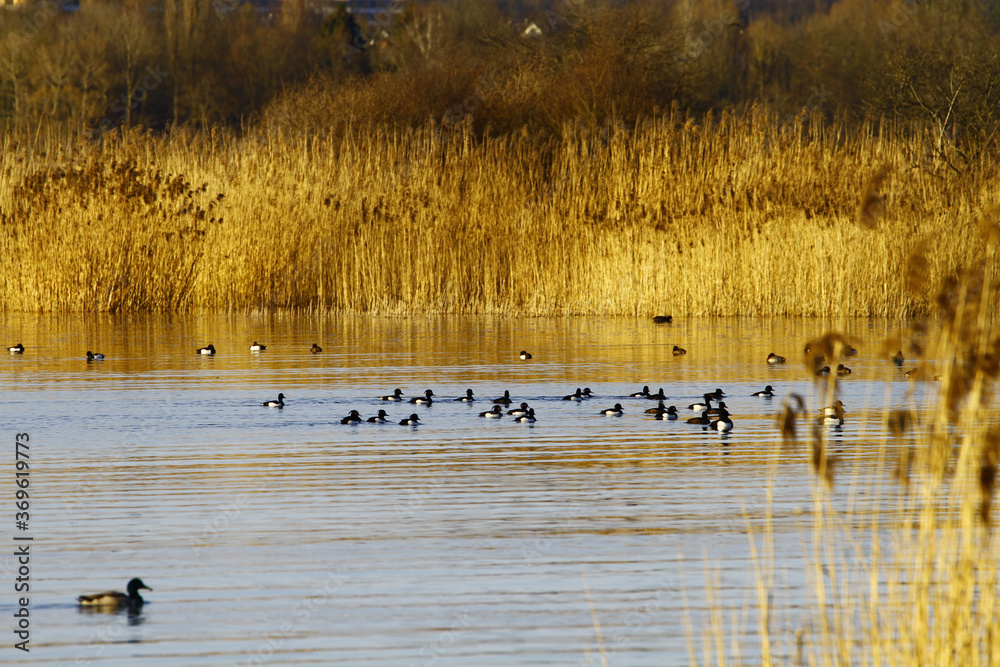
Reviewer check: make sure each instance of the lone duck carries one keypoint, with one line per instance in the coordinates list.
(774, 359)
(116, 599)
(668, 414)
(257, 347)
(94, 356)
(525, 355)
(836, 417)
(496, 412)
(641, 394)
(898, 358)
(836, 408)
(397, 395)
(315, 349)
(768, 392)
(468, 398)
(528, 418)
(210, 349)
(663, 319)
(679, 351)
(17, 349)
(280, 403)
(423, 400)
(616, 411)
(412, 420)
(354, 417)
(380, 418)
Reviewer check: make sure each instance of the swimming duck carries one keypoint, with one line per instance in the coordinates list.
(586, 393)
(396, 395)
(503, 400)
(380, 418)
(668, 414)
(717, 394)
(825, 370)
(280, 403)
(720, 408)
(616, 411)
(207, 350)
(843, 370)
(898, 358)
(707, 405)
(836, 408)
(663, 319)
(723, 424)
(468, 398)
(116, 599)
(768, 392)
(94, 356)
(774, 359)
(17, 349)
(641, 394)
(577, 396)
(353, 418)
(412, 420)
(704, 420)
(834, 418)
(518, 412)
(257, 347)
(528, 418)
(658, 396)
(496, 412)
(679, 351)
(425, 399)
(660, 407)
(525, 355)
(315, 349)
(849, 351)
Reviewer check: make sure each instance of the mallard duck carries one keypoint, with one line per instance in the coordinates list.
(116, 599)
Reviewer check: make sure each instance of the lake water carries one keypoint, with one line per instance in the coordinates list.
(283, 537)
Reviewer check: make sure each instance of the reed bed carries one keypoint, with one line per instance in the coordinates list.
(738, 215)
(906, 569)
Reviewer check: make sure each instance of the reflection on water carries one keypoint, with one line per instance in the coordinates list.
(281, 536)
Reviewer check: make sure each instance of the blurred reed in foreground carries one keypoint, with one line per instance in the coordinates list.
(739, 215)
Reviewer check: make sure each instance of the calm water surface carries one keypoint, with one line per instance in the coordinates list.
(283, 537)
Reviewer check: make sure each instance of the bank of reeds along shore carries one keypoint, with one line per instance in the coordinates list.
(740, 215)
(903, 568)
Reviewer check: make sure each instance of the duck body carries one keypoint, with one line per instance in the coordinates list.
(836, 408)
(315, 349)
(209, 349)
(412, 420)
(525, 355)
(641, 394)
(577, 396)
(354, 417)
(425, 399)
(116, 599)
(719, 409)
(257, 347)
(658, 396)
(843, 370)
(518, 412)
(703, 420)
(397, 395)
(723, 424)
(504, 400)
(834, 418)
(825, 370)
(898, 358)
(670, 414)
(679, 351)
(380, 418)
(698, 407)
(616, 411)
(527, 418)
(774, 359)
(468, 398)
(496, 412)
(768, 392)
(16, 349)
(663, 319)
(94, 356)
(280, 403)
(586, 393)
(660, 407)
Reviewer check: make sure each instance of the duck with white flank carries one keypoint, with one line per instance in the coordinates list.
(833, 409)
(380, 418)
(280, 403)
(468, 398)
(496, 412)
(209, 349)
(723, 424)
(586, 393)
(616, 411)
(423, 400)
(353, 418)
(576, 396)
(94, 356)
(706, 405)
(16, 349)
(668, 414)
(524, 355)
(528, 418)
(257, 347)
(396, 395)
(820, 372)
(641, 394)
(519, 412)
(834, 416)
(774, 359)
(767, 393)
(412, 420)
(111, 600)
